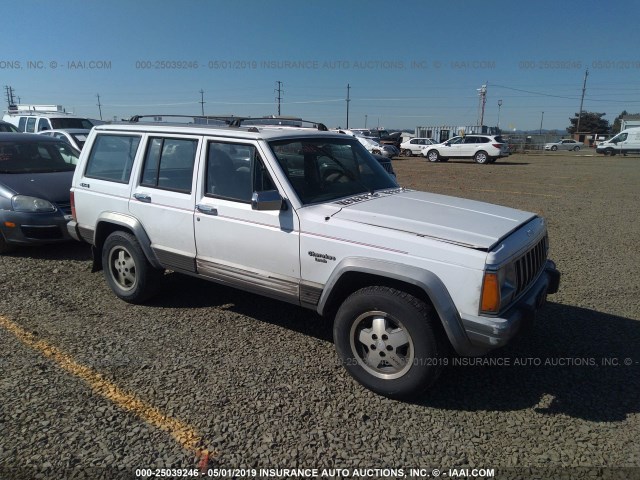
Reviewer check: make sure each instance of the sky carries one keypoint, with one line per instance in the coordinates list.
(407, 63)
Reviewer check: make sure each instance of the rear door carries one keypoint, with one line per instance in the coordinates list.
(163, 197)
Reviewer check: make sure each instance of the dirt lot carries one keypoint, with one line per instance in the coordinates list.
(207, 376)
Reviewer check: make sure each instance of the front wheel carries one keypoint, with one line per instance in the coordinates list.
(481, 157)
(433, 156)
(388, 341)
(127, 270)
(554, 148)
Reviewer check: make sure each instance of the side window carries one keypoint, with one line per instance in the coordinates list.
(111, 157)
(22, 123)
(43, 124)
(31, 124)
(169, 164)
(235, 171)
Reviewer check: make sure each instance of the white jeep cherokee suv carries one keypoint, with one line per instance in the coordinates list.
(481, 148)
(310, 217)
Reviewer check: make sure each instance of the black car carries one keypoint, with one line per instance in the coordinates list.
(35, 179)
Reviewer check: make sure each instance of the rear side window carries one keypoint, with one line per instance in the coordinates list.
(112, 157)
(31, 125)
(169, 164)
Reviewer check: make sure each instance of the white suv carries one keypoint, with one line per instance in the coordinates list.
(309, 217)
(415, 146)
(481, 148)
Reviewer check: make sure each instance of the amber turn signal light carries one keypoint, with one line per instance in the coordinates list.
(490, 302)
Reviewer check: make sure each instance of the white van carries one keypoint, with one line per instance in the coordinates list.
(627, 141)
(38, 119)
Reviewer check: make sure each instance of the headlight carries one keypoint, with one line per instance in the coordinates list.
(24, 203)
(498, 288)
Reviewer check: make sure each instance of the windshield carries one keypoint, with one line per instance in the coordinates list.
(64, 122)
(321, 169)
(37, 157)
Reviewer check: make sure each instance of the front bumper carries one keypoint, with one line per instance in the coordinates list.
(34, 228)
(487, 333)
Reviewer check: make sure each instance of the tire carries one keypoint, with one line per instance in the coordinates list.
(576, 149)
(481, 157)
(433, 156)
(609, 152)
(389, 342)
(127, 270)
(554, 148)
(408, 153)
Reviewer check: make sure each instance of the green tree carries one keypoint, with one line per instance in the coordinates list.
(590, 122)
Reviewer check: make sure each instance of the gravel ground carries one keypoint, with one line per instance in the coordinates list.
(258, 381)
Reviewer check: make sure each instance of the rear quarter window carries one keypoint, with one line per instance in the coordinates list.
(111, 157)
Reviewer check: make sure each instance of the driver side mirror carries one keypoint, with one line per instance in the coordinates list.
(267, 200)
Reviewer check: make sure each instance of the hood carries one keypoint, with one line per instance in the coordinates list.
(454, 220)
(54, 186)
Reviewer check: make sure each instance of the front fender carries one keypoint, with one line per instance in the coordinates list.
(427, 281)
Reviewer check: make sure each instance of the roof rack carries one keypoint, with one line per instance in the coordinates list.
(233, 121)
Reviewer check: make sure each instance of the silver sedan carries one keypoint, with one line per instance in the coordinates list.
(564, 144)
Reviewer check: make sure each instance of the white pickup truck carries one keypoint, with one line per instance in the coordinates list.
(310, 217)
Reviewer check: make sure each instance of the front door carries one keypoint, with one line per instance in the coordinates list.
(257, 250)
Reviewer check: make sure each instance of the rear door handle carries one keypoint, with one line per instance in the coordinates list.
(207, 209)
(142, 197)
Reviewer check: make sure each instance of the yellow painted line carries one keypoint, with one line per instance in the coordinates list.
(186, 436)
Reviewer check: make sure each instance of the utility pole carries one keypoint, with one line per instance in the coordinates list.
(365, 120)
(584, 88)
(541, 119)
(483, 100)
(202, 102)
(99, 105)
(348, 100)
(279, 97)
(499, 107)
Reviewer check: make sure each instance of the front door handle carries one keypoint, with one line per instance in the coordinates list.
(207, 209)
(142, 197)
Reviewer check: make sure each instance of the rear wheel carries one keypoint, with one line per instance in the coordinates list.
(127, 270)
(433, 156)
(481, 157)
(388, 340)
(408, 153)
(576, 148)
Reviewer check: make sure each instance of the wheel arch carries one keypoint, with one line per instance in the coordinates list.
(110, 222)
(353, 274)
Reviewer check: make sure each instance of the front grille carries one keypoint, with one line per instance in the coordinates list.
(529, 265)
(42, 233)
(64, 207)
